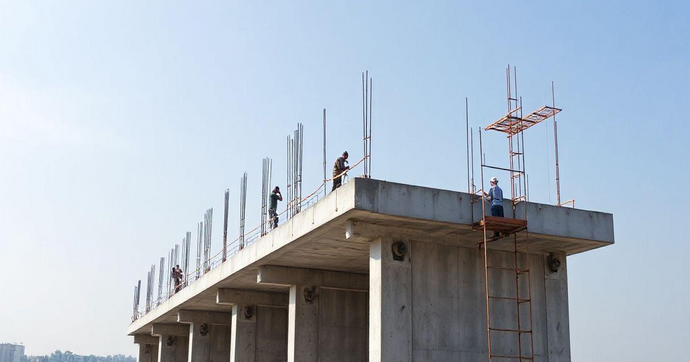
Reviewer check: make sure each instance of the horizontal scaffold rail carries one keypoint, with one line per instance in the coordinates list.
(513, 124)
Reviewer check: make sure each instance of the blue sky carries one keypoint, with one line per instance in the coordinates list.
(122, 122)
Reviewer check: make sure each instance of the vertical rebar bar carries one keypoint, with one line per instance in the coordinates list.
(160, 281)
(371, 95)
(188, 238)
(325, 176)
(364, 120)
(209, 230)
(467, 142)
(555, 141)
(485, 246)
(472, 159)
(225, 225)
(198, 249)
(243, 204)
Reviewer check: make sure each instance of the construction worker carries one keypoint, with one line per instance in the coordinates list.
(495, 197)
(338, 168)
(273, 207)
(177, 276)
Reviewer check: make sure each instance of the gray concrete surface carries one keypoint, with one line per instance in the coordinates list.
(173, 342)
(148, 347)
(259, 324)
(429, 306)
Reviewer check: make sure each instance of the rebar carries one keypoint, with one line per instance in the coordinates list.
(467, 142)
(160, 281)
(555, 141)
(243, 207)
(188, 241)
(266, 172)
(198, 250)
(135, 306)
(325, 176)
(225, 225)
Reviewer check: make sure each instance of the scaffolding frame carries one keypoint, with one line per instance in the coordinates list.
(513, 124)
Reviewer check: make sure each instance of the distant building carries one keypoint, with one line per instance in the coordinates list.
(11, 352)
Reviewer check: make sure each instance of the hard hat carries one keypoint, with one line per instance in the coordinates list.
(493, 179)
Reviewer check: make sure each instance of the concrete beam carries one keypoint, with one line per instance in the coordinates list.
(287, 276)
(237, 296)
(170, 329)
(145, 339)
(364, 232)
(194, 316)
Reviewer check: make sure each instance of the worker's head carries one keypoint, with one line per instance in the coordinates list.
(494, 181)
(177, 266)
(277, 189)
(345, 155)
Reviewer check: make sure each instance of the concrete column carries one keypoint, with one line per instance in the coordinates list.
(327, 313)
(259, 325)
(557, 317)
(148, 347)
(243, 343)
(209, 335)
(390, 301)
(303, 324)
(173, 342)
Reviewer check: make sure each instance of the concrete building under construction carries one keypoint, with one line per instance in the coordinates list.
(381, 271)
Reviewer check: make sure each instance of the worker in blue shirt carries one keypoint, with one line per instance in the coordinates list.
(495, 197)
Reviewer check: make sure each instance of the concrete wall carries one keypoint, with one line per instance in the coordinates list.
(173, 348)
(431, 306)
(271, 332)
(343, 325)
(330, 327)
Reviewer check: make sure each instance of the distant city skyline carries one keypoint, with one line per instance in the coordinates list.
(14, 352)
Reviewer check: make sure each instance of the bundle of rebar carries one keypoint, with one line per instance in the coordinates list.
(266, 172)
(295, 147)
(243, 207)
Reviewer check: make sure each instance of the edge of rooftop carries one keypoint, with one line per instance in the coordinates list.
(394, 199)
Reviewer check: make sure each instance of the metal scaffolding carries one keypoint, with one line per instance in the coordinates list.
(513, 124)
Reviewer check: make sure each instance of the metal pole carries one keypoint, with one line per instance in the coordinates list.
(467, 142)
(371, 95)
(324, 152)
(188, 238)
(243, 195)
(472, 158)
(364, 119)
(225, 225)
(198, 249)
(160, 281)
(555, 140)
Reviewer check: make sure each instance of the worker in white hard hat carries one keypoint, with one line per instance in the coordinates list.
(495, 197)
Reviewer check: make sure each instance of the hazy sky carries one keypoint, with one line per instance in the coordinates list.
(123, 121)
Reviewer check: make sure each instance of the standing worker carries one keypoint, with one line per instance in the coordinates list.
(179, 279)
(495, 196)
(273, 207)
(338, 168)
